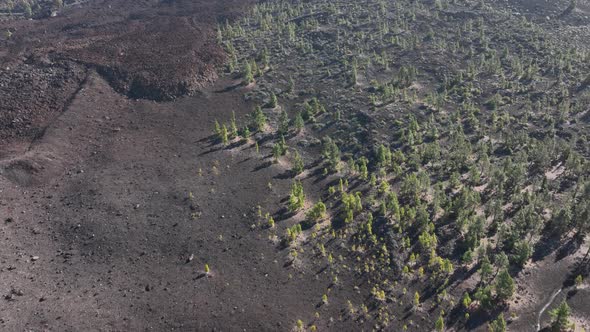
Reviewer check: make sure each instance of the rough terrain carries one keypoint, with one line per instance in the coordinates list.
(147, 49)
(98, 225)
(125, 206)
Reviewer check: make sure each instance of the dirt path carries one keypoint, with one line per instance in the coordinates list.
(551, 299)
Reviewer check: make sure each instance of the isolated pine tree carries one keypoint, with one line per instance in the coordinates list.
(560, 317)
(298, 121)
(298, 165)
(258, 119)
(439, 325)
(283, 123)
(224, 134)
(273, 101)
(247, 75)
(497, 325)
(504, 286)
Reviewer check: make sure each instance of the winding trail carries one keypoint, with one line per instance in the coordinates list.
(551, 299)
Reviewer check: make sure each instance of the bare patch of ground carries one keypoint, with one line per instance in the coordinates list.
(98, 231)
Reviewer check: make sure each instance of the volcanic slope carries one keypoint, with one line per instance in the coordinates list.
(111, 217)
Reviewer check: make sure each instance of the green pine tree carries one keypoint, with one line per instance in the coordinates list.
(283, 123)
(224, 135)
(273, 101)
(504, 286)
(258, 119)
(247, 74)
(298, 165)
(296, 197)
(560, 317)
(497, 325)
(299, 123)
(233, 127)
(439, 325)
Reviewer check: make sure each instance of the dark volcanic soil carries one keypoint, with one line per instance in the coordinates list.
(96, 221)
(147, 49)
(97, 225)
(113, 197)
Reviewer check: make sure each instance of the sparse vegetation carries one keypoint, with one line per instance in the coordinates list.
(560, 317)
(497, 325)
(443, 150)
(297, 197)
(464, 170)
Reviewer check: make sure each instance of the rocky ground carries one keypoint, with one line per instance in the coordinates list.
(155, 50)
(109, 219)
(120, 210)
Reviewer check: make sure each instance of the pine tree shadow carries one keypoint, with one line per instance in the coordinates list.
(481, 317)
(262, 166)
(288, 174)
(569, 248)
(283, 214)
(235, 144)
(582, 268)
(211, 138)
(245, 160)
(548, 244)
(338, 223)
(229, 88)
(212, 150)
(319, 175)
